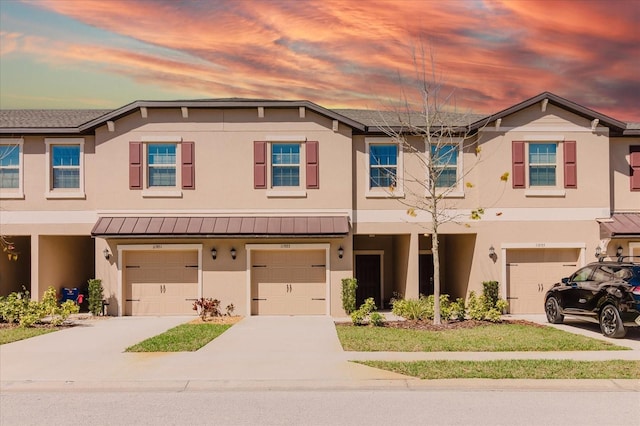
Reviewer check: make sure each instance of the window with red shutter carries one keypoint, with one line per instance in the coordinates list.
(135, 165)
(260, 164)
(188, 165)
(634, 163)
(518, 165)
(312, 172)
(570, 165)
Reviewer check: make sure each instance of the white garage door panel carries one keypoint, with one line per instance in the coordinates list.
(531, 272)
(161, 282)
(288, 282)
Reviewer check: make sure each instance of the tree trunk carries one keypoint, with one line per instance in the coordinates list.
(436, 271)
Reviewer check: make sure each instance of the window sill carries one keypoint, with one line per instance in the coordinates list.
(545, 193)
(7, 195)
(286, 194)
(384, 194)
(150, 193)
(64, 195)
(452, 194)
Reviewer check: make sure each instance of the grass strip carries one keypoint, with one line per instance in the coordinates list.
(183, 338)
(13, 334)
(490, 338)
(513, 369)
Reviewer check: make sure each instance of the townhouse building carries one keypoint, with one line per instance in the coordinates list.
(268, 205)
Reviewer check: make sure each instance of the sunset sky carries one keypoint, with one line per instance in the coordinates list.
(337, 53)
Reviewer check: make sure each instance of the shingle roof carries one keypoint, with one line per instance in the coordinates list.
(45, 118)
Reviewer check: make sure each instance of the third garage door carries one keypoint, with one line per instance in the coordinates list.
(531, 272)
(288, 282)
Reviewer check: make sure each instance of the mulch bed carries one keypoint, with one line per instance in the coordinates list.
(447, 325)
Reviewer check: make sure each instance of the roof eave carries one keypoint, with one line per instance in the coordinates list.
(127, 109)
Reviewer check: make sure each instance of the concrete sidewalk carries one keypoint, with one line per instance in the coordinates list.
(273, 352)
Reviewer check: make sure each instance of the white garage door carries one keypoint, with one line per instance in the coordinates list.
(288, 282)
(160, 282)
(531, 272)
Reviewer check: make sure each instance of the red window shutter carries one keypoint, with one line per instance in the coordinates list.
(517, 157)
(570, 170)
(135, 165)
(634, 162)
(313, 177)
(259, 164)
(188, 165)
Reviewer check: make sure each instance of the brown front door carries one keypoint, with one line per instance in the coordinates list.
(369, 278)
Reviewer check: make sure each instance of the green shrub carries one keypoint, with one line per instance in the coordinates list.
(479, 308)
(367, 311)
(19, 308)
(376, 319)
(491, 292)
(349, 287)
(423, 308)
(458, 309)
(96, 296)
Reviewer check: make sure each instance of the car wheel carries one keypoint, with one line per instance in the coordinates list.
(610, 322)
(552, 309)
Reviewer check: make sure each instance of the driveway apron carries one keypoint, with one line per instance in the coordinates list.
(255, 349)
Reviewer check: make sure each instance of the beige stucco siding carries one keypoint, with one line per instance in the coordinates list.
(224, 160)
(623, 198)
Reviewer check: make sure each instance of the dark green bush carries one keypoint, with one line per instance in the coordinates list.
(96, 296)
(349, 287)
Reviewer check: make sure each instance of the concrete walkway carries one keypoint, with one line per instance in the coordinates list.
(256, 352)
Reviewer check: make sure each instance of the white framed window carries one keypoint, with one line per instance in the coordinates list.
(11, 169)
(65, 167)
(385, 171)
(286, 166)
(543, 164)
(161, 165)
(161, 169)
(447, 161)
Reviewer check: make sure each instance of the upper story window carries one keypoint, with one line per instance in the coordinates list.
(445, 162)
(634, 163)
(384, 168)
(542, 164)
(285, 165)
(65, 167)
(161, 166)
(11, 168)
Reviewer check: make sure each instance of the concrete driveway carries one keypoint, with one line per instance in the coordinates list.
(301, 352)
(255, 349)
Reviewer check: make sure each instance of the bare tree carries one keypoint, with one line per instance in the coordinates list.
(8, 178)
(429, 127)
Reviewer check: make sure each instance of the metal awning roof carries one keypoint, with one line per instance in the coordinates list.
(228, 226)
(621, 225)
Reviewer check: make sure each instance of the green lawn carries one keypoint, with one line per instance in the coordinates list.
(489, 338)
(513, 369)
(183, 338)
(13, 334)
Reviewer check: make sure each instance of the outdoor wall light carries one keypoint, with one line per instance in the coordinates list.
(340, 252)
(233, 253)
(598, 251)
(214, 253)
(492, 252)
(106, 253)
(619, 251)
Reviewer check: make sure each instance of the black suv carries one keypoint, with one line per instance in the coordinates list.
(606, 292)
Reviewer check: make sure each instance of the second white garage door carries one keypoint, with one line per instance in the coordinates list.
(160, 282)
(531, 272)
(288, 282)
